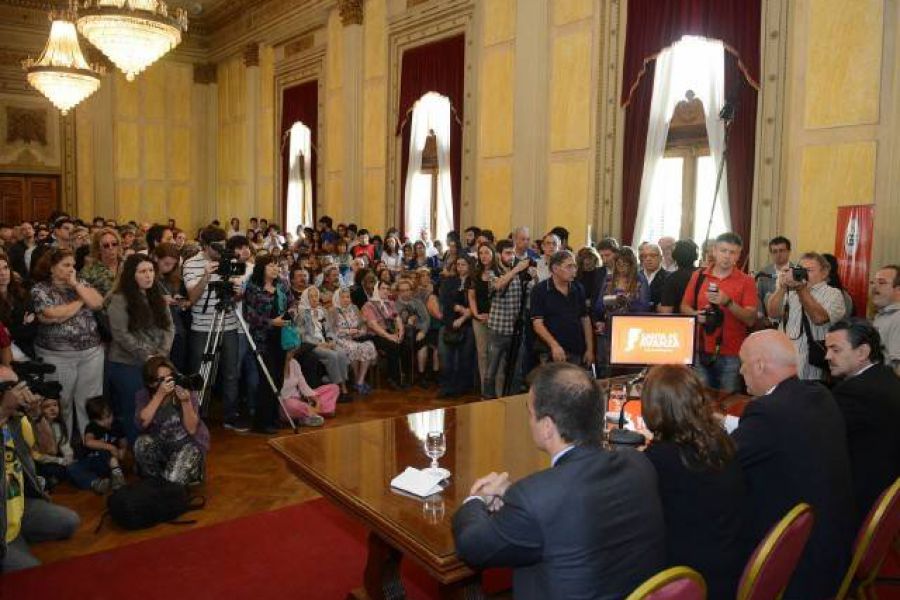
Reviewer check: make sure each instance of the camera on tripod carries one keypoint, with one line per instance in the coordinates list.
(33, 373)
(229, 265)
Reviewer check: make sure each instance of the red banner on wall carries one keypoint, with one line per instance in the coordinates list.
(853, 249)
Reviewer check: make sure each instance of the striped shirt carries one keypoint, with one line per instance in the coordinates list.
(192, 272)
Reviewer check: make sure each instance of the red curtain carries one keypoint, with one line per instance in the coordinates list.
(299, 103)
(435, 67)
(637, 118)
(741, 149)
(653, 25)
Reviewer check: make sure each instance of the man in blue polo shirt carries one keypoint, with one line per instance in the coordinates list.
(559, 313)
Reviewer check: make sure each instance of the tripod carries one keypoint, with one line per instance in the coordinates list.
(212, 350)
(512, 355)
(727, 116)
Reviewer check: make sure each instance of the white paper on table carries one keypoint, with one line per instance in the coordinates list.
(418, 482)
(731, 423)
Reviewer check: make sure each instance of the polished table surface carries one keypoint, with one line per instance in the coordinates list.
(353, 465)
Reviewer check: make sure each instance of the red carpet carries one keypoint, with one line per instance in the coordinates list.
(306, 551)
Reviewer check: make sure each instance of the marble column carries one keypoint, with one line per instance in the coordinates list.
(251, 199)
(351, 12)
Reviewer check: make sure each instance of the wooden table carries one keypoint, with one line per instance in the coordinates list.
(354, 464)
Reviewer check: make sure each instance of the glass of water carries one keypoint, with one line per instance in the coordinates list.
(435, 448)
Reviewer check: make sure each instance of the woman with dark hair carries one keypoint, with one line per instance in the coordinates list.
(478, 299)
(622, 293)
(16, 310)
(421, 259)
(391, 255)
(362, 291)
(174, 441)
(141, 327)
(106, 261)
(700, 481)
(169, 282)
(589, 273)
(834, 280)
(67, 334)
(265, 307)
(457, 346)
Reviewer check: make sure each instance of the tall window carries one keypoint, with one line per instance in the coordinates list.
(679, 178)
(429, 195)
(299, 188)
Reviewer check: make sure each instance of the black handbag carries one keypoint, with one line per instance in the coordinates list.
(149, 502)
(816, 349)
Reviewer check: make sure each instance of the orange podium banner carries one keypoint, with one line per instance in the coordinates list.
(652, 340)
(853, 250)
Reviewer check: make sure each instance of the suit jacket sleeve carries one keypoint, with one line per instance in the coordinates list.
(510, 537)
(753, 437)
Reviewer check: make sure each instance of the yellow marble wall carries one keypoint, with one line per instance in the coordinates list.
(330, 203)
(496, 92)
(148, 123)
(571, 114)
(232, 151)
(266, 203)
(832, 145)
(375, 128)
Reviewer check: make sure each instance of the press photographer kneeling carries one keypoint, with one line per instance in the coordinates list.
(174, 440)
(28, 516)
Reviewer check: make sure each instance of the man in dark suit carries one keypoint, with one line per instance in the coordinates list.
(591, 526)
(869, 398)
(652, 273)
(792, 447)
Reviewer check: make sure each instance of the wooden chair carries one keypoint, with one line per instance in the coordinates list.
(772, 563)
(873, 542)
(676, 583)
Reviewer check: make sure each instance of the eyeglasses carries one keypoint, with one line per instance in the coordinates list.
(109, 245)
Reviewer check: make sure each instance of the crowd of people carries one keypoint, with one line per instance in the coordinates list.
(124, 312)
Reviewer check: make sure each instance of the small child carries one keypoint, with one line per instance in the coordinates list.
(52, 467)
(100, 467)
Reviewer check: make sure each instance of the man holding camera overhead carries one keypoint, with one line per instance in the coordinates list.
(199, 272)
(807, 306)
(724, 300)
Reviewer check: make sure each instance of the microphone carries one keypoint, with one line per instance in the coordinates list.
(623, 437)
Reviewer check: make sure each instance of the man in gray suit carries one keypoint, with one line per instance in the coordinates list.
(591, 526)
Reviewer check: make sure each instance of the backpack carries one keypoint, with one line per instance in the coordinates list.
(148, 502)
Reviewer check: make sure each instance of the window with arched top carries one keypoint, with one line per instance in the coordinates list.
(429, 194)
(299, 205)
(685, 143)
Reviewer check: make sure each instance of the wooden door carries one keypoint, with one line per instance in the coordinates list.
(31, 197)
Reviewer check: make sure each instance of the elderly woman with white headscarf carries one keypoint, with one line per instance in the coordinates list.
(315, 328)
(385, 324)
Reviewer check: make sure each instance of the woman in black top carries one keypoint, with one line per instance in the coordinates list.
(700, 481)
(479, 300)
(457, 346)
(16, 309)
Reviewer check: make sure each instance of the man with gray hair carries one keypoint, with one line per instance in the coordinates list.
(806, 306)
(886, 298)
(792, 447)
(521, 237)
(651, 274)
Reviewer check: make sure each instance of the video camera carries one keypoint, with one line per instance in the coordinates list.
(229, 265)
(33, 373)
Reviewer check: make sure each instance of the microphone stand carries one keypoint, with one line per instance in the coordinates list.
(726, 115)
(622, 436)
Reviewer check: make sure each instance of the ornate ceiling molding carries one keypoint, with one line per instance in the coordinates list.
(351, 12)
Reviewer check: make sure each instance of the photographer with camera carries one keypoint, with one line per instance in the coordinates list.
(28, 516)
(208, 278)
(724, 300)
(174, 440)
(141, 326)
(806, 306)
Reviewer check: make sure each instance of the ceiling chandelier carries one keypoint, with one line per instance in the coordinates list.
(133, 34)
(61, 73)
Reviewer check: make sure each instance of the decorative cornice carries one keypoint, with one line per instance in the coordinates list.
(301, 44)
(351, 12)
(251, 55)
(205, 73)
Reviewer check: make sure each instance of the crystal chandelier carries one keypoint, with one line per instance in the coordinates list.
(61, 73)
(133, 34)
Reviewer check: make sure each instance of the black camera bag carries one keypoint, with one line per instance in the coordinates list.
(149, 502)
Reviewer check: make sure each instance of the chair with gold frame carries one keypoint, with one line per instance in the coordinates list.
(769, 569)
(877, 533)
(676, 583)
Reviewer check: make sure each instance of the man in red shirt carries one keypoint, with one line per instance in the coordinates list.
(724, 300)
